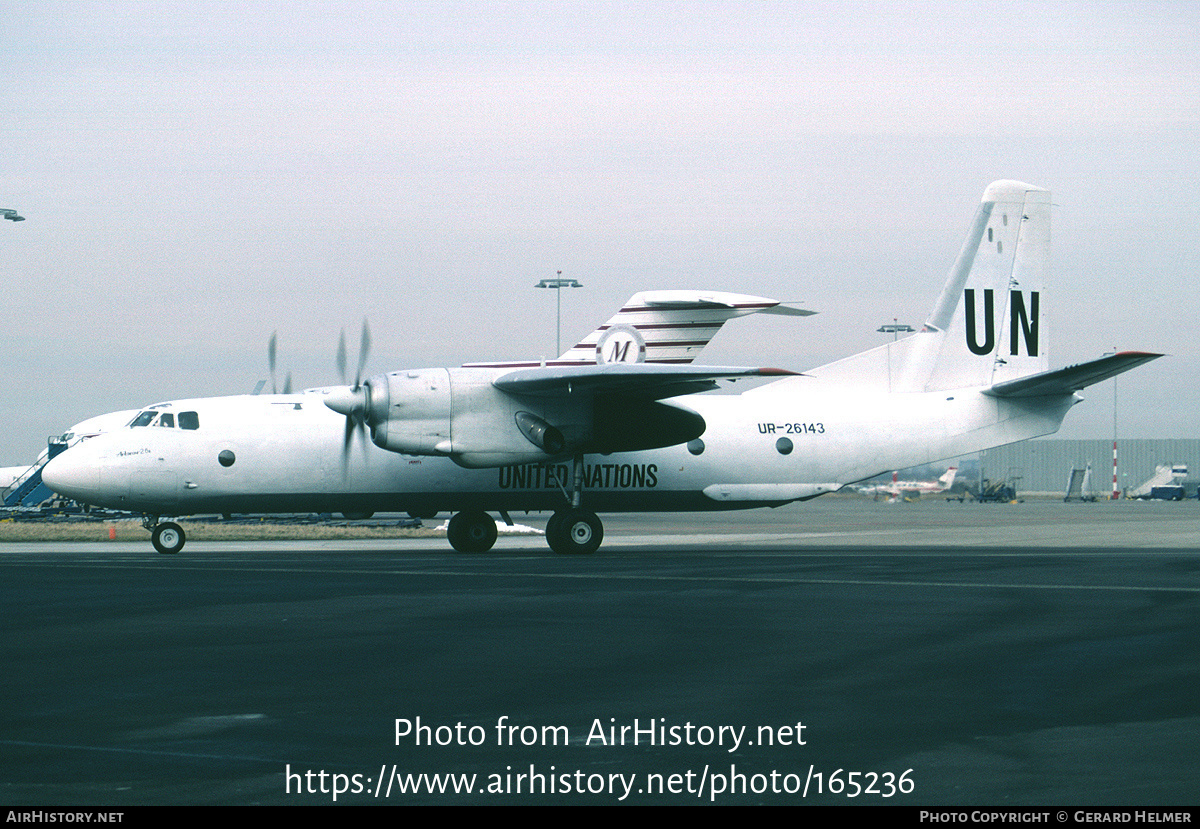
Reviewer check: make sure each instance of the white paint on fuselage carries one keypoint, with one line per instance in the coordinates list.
(288, 455)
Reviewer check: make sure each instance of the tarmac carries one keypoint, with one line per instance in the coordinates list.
(841, 651)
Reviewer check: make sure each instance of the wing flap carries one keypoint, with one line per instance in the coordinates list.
(1072, 378)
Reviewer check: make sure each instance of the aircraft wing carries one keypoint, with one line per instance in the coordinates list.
(1072, 378)
(644, 380)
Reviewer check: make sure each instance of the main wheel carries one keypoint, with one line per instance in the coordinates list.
(552, 526)
(168, 538)
(472, 531)
(574, 532)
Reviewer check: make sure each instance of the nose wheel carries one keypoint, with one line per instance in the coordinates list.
(168, 538)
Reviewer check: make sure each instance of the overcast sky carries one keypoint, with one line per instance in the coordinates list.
(196, 175)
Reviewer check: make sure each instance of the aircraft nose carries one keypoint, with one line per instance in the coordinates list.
(71, 476)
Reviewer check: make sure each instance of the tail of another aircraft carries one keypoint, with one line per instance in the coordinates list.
(667, 327)
(947, 478)
(988, 325)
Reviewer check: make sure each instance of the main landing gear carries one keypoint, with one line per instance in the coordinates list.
(168, 538)
(574, 531)
(570, 531)
(471, 531)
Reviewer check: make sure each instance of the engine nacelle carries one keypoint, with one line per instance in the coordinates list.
(409, 411)
(458, 413)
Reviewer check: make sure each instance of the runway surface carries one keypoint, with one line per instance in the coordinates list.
(920, 654)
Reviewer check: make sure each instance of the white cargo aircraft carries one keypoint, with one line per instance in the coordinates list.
(615, 424)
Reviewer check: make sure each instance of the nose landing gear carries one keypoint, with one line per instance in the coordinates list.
(168, 538)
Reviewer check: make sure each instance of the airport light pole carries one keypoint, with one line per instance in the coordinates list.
(1116, 493)
(895, 328)
(11, 215)
(558, 284)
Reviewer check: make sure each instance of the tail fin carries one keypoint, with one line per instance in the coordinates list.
(988, 325)
(670, 327)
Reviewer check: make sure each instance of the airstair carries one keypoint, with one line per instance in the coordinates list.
(1079, 485)
(28, 490)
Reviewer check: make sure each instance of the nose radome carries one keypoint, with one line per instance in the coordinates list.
(71, 476)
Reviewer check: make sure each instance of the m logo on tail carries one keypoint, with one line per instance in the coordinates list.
(1023, 322)
(621, 344)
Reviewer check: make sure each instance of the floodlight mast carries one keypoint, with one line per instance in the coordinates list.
(558, 284)
(895, 328)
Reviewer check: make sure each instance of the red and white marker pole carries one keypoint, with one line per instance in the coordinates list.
(1116, 496)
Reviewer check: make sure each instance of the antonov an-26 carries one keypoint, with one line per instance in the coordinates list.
(616, 423)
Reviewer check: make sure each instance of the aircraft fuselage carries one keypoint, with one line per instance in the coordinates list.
(284, 453)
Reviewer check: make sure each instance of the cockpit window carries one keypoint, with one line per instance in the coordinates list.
(187, 420)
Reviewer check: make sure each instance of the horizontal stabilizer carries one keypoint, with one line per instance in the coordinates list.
(1072, 378)
(787, 311)
(698, 300)
(644, 380)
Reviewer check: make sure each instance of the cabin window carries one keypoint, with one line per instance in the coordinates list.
(166, 420)
(189, 420)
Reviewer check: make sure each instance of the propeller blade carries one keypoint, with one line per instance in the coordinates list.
(271, 359)
(347, 437)
(364, 348)
(341, 356)
(352, 401)
(362, 439)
